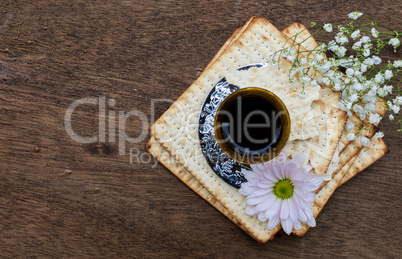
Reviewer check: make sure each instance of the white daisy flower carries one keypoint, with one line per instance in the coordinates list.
(388, 89)
(281, 191)
(318, 57)
(358, 86)
(369, 61)
(369, 107)
(326, 80)
(299, 69)
(381, 92)
(391, 117)
(358, 74)
(353, 97)
(342, 29)
(397, 63)
(384, 91)
(332, 46)
(368, 46)
(344, 105)
(358, 108)
(362, 116)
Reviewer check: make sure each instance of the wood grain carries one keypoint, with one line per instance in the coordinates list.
(53, 53)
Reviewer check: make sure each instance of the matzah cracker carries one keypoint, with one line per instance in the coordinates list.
(325, 154)
(352, 150)
(320, 149)
(155, 149)
(330, 97)
(159, 152)
(355, 146)
(308, 42)
(332, 121)
(344, 139)
(358, 130)
(303, 35)
(321, 98)
(232, 38)
(321, 199)
(367, 156)
(342, 144)
(347, 160)
(177, 130)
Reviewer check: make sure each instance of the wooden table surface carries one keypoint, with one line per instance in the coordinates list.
(62, 198)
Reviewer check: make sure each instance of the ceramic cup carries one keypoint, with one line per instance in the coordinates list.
(252, 125)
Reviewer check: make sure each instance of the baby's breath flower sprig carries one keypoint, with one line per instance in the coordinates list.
(350, 64)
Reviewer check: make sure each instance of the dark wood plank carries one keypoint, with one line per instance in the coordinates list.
(53, 53)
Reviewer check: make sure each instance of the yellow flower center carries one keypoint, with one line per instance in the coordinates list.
(284, 188)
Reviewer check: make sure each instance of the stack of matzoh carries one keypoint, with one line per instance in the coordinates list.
(318, 126)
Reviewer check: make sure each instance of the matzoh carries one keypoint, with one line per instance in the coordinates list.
(299, 33)
(331, 122)
(341, 161)
(351, 150)
(303, 35)
(324, 149)
(156, 148)
(177, 130)
(232, 38)
(367, 156)
(169, 162)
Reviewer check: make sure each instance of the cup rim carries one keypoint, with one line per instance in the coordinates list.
(286, 127)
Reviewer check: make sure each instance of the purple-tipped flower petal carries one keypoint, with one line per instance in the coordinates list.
(281, 191)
